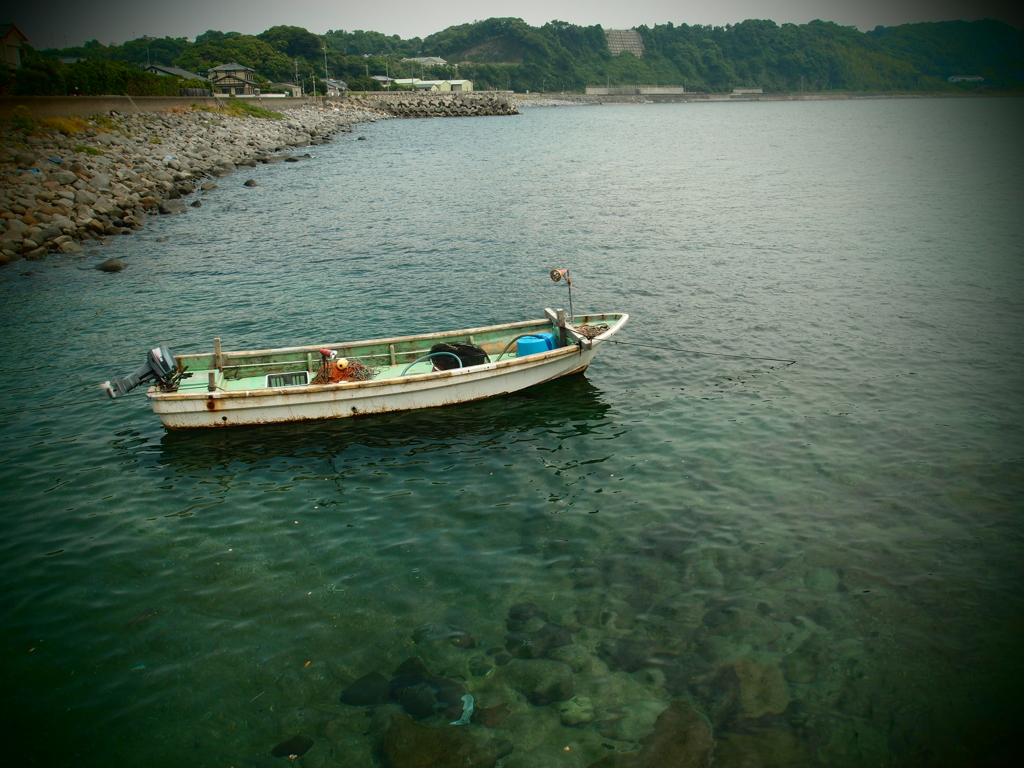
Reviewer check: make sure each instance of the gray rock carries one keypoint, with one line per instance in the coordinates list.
(251, 183)
(173, 206)
(100, 181)
(85, 197)
(24, 158)
(63, 177)
(50, 233)
(111, 265)
(70, 246)
(206, 187)
(196, 203)
(36, 254)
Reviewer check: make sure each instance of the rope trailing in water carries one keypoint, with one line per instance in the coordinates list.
(697, 351)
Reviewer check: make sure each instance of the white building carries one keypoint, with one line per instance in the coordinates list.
(452, 86)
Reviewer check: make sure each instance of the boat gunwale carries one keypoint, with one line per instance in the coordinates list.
(154, 394)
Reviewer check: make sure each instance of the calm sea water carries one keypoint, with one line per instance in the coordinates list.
(821, 558)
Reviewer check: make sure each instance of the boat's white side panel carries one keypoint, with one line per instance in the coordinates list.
(334, 401)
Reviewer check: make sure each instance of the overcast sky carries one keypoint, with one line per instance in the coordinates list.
(114, 21)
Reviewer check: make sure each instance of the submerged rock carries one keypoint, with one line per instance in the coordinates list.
(541, 681)
(492, 717)
(296, 745)
(632, 721)
(251, 183)
(762, 688)
(576, 711)
(369, 690)
(681, 739)
(460, 638)
(111, 265)
(407, 744)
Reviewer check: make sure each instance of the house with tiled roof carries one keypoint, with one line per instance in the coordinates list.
(232, 79)
(12, 42)
(184, 74)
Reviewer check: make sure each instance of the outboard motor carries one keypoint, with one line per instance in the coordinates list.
(160, 366)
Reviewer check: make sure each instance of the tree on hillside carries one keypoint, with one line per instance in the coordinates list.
(243, 49)
(213, 35)
(293, 41)
(360, 43)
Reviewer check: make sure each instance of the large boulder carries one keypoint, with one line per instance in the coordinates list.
(173, 206)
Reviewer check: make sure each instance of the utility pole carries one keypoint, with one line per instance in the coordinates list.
(327, 75)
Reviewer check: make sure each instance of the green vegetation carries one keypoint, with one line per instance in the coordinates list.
(508, 53)
(69, 125)
(21, 119)
(241, 108)
(92, 77)
(88, 150)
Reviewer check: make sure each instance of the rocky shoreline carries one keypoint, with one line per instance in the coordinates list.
(61, 187)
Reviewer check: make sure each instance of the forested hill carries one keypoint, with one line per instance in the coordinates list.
(819, 56)
(508, 53)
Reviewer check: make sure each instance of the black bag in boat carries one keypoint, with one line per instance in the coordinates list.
(467, 353)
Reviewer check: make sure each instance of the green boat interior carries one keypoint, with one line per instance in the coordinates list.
(376, 360)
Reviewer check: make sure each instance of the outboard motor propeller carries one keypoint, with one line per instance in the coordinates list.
(160, 365)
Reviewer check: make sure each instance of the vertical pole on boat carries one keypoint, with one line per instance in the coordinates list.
(211, 385)
(217, 361)
(561, 327)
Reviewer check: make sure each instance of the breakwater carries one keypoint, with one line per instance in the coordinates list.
(66, 181)
(471, 104)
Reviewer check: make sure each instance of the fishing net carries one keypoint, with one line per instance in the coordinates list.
(332, 371)
(592, 331)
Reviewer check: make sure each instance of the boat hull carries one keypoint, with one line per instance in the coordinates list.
(190, 410)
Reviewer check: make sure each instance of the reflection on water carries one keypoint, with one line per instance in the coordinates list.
(569, 407)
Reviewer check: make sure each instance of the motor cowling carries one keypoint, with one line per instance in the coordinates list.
(160, 366)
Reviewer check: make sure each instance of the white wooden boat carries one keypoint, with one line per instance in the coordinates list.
(221, 389)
